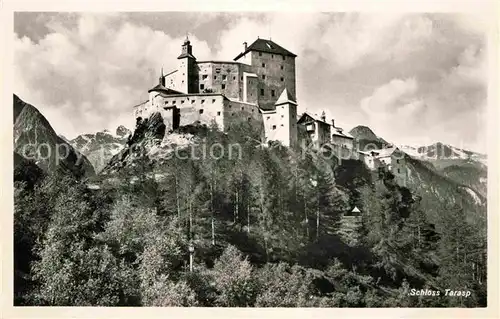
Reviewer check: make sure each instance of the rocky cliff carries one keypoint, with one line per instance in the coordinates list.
(36, 140)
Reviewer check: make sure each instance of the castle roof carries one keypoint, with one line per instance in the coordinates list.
(266, 46)
(306, 117)
(383, 152)
(186, 55)
(160, 88)
(285, 98)
(340, 132)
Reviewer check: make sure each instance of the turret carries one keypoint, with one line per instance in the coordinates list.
(187, 77)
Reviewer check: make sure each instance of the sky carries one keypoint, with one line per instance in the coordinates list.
(412, 78)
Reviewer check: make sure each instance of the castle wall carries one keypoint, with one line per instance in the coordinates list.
(395, 163)
(171, 80)
(280, 124)
(187, 76)
(139, 110)
(322, 133)
(250, 87)
(275, 73)
(236, 112)
(221, 77)
(342, 141)
(199, 108)
(398, 167)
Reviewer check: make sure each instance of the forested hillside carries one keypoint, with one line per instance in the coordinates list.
(268, 229)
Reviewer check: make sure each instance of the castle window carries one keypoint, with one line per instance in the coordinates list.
(241, 78)
(282, 125)
(282, 79)
(261, 91)
(202, 86)
(284, 58)
(272, 92)
(201, 111)
(218, 113)
(217, 70)
(213, 100)
(282, 67)
(202, 101)
(166, 102)
(234, 78)
(182, 101)
(182, 81)
(399, 171)
(272, 56)
(268, 117)
(230, 105)
(274, 127)
(282, 116)
(242, 108)
(263, 65)
(263, 76)
(224, 77)
(215, 77)
(223, 86)
(173, 102)
(232, 114)
(192, 101)
(249, 119)
(204, 76)
(397, 161)
(260, 53)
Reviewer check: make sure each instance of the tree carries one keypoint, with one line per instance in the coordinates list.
(283, 286)
(74, 269)
(232, 275)
(460, 252)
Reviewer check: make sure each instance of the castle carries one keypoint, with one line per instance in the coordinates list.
(257, 87)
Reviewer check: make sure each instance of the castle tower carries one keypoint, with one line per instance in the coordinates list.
(274, 67)
(285, 127)
(187, 78)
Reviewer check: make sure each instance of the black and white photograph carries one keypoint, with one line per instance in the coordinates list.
(250, 159)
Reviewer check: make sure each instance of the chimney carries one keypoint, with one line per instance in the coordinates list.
(333, 122)
(244, 46)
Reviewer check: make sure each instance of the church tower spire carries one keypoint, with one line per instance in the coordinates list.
(162, 78)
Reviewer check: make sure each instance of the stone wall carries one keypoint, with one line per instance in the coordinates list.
(274, 75)
(236, 112)
(280, 124)
(342, 141)
(220, 77)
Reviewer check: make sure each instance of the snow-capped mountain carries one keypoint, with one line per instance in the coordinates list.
(101, 146)
(439, 152)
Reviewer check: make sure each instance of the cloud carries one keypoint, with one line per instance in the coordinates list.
(84, 77)
(405, 75)
(393, 106)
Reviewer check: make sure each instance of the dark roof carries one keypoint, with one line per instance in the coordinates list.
(267, 46)
(285, 98)
(162, 89)
(186, 55)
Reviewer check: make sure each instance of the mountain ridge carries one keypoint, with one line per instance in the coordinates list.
(35, 139)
